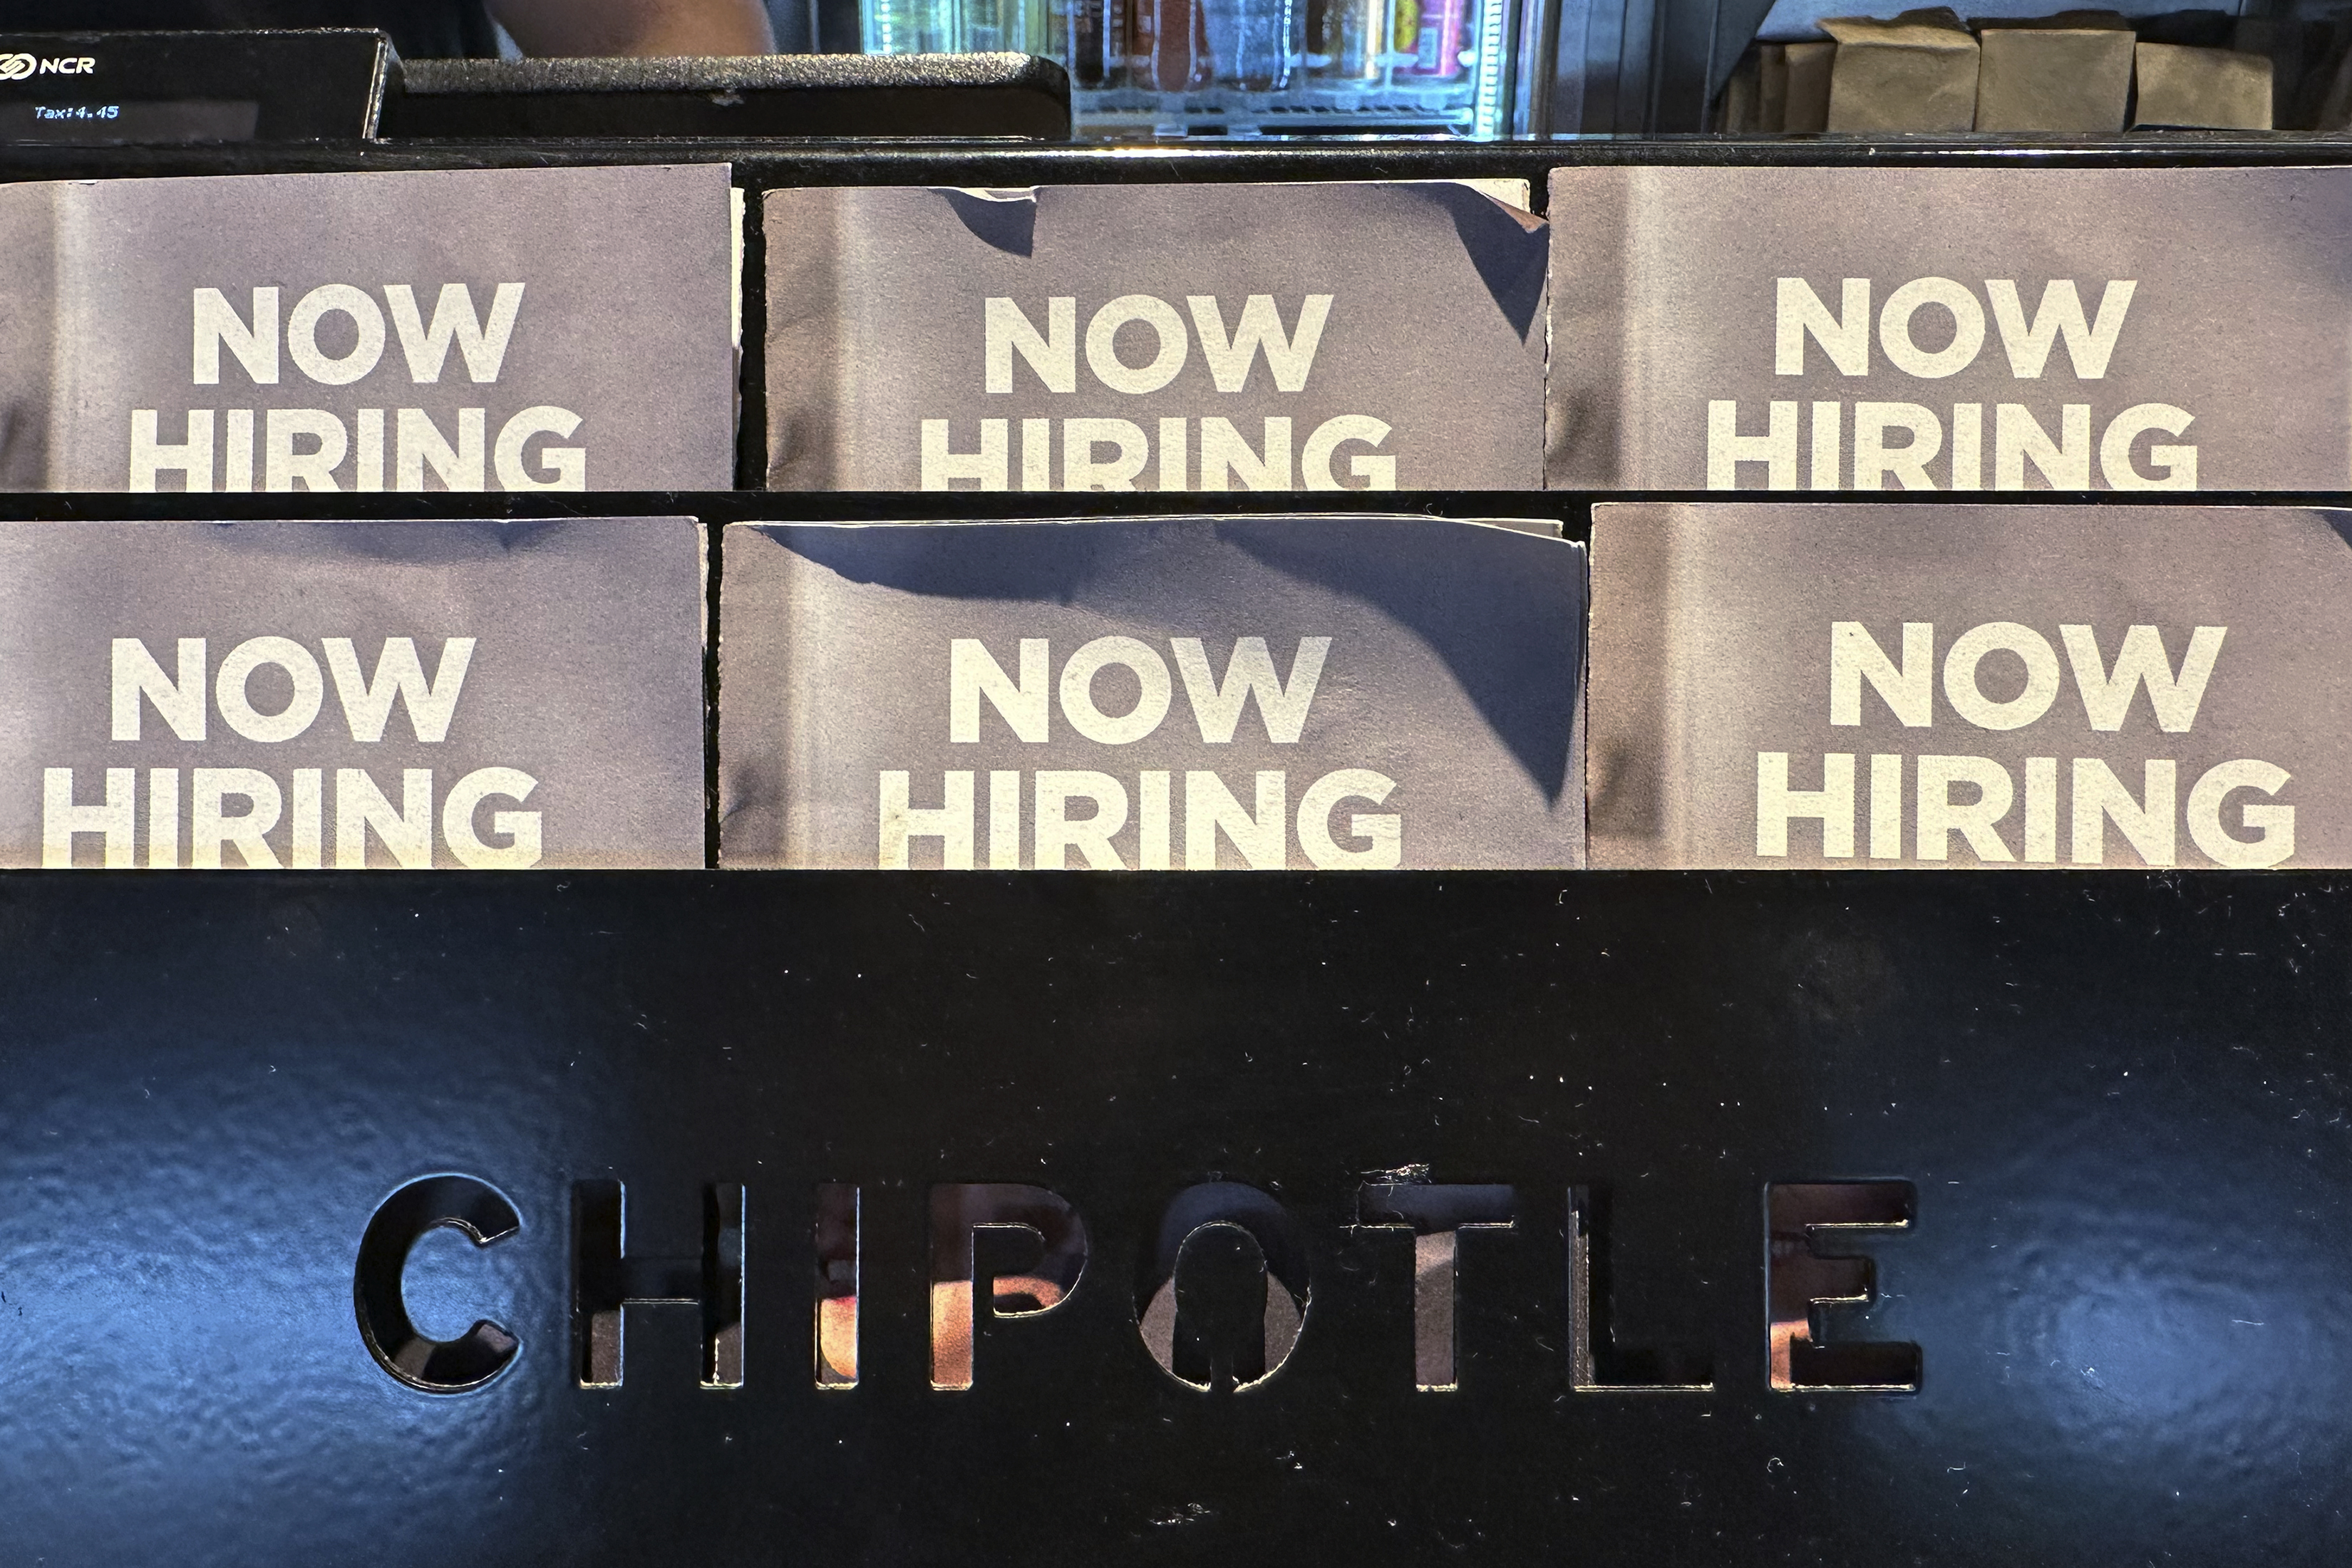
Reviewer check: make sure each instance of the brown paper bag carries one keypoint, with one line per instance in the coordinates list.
(2295, 50)
(2047, 80)
(2332, 92)
(1917, 73)
(2212, 88)
(1736, 113)
(1808, 106)
(1771, 87)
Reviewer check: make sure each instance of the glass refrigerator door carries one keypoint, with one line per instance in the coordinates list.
(1248, 68)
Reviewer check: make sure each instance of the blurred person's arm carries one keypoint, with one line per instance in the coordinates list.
(636, 26)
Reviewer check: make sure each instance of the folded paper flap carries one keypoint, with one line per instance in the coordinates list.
(1005, 220)
(2064, 22)
(1935, 40)
(1932, 27)
(1492, 621)
(1507, 244)
(1509, 248)
(2055, 39)
(1515, 195)
(416, 543)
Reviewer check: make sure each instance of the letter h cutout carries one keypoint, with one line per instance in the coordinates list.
(606, 1280)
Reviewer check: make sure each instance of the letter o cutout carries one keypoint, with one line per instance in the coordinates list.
(1256, 1226)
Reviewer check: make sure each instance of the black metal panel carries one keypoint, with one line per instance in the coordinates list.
(894, 96)
(2121, 1101)
(761, 165)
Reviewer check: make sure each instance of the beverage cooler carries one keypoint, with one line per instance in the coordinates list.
(1260, 67)
(723, 844)
(1486, 69)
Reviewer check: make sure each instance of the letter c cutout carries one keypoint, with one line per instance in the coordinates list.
(435, 1366)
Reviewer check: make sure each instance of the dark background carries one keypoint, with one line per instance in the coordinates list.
(2122, 1099)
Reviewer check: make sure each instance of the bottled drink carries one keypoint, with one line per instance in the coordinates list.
(1345, 37)
(1171, 45)
(1018, 27)
(1090, 37)
(1438, 39)
(1253, 42)
(954, 26)
(903, 26)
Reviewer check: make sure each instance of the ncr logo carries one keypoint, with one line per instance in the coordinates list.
(18, 67)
